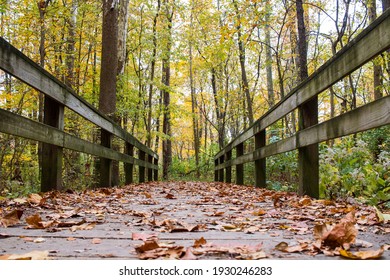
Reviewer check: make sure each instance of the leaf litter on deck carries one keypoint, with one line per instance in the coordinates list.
(319, 226)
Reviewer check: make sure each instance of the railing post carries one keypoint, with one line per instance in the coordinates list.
(308, 162)
(228, 178)
(260, 164)
(216, 173)
(51, 172)
(150, 170)
(240, 167)
(105, 163)
(129, 149)
(221, 171)
(155, 173)
(141, 156)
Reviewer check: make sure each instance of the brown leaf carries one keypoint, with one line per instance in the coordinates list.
(147, 195)
(305, 201)
(343, 233)
(199, 242)
(11, 218)
(70, 239)
(189, 255)
(362, 255)
(34, 198)
(143, 236)
(83, 227)
(170, 196)
(35, 222)
(282, 246)
(259, 212)
(147, 246)
(96, 241)
(34, 255)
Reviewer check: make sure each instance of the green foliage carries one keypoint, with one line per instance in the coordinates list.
(282, 171)
(185, 169)
(354, 167)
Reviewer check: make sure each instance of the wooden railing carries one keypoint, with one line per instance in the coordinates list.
(371, 42)
(51, 132)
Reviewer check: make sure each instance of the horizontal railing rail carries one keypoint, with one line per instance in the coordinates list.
(57, 96)
(371, 42)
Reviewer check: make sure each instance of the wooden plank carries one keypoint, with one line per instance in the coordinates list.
(260, 164)
(20, 66)
(351, 57)
(20, 126)
(150, 171)
(369, 116)
(155, 173)
(129, 167)
(51, 171)
(308, 157)
(105, 163)
(221, 171)
(228, 171)
(141, 174)
(239, 166)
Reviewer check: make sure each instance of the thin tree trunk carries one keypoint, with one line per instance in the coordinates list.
(152, 73)
(378, 82)
(244, 79)
(166, 76)
(268, 61)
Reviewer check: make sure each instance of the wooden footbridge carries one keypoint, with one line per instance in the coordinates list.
(371, 42)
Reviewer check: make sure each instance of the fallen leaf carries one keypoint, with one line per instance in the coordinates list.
(282, 246)
(252, 256)
(143, 236)
(35, 222)
(39, 240)
(20, 200)
(342, 234)
(34, 255)
(147, 246)
(71, 239)
(362, 255)
(83, 227)
(259, 212)
(170, 196)
(34, 198)
(189, 255)
(11, 218)
(96, 241)
(305, 201)
(199, 242)
(147, 195)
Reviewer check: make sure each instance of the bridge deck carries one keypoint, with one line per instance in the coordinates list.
(181, 220)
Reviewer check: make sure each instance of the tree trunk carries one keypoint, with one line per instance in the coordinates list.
(244, 79)
(166, 76)
(378, 82)
(268, 61)
(122, 35)
(108, 77)
(152, 72)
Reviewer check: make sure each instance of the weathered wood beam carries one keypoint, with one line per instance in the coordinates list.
(20, 66)
(370, 116)
(20, 126)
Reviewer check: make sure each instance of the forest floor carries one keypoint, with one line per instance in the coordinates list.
(189, 220)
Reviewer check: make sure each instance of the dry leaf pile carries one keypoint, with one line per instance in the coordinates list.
(304, 225)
